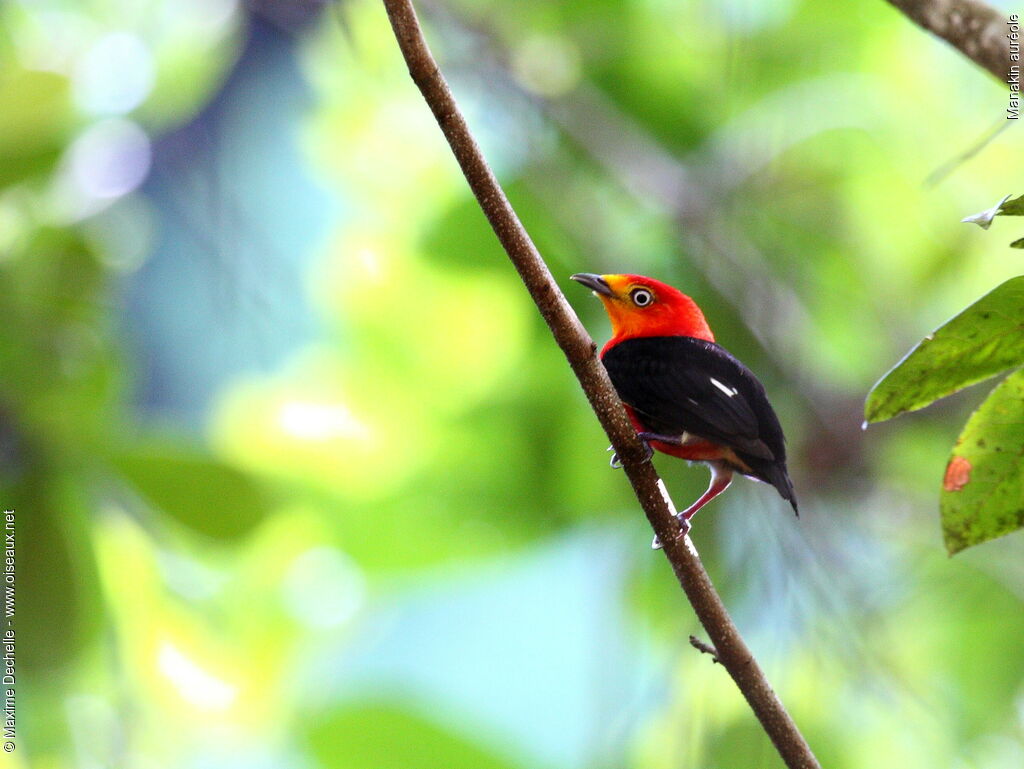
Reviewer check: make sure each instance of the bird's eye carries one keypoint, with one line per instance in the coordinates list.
(641, 297)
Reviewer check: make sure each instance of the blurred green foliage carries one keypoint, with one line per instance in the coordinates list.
(387, 737)
(385, 547)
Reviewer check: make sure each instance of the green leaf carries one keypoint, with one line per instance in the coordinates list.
(202, 493)
(1013, 207)
(1019, 243)
(982, 341)
(384, 736)
(983, 488)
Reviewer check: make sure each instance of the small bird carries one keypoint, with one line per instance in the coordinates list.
(687, 396)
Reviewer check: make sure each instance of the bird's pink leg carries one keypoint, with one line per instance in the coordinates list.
(721, 477)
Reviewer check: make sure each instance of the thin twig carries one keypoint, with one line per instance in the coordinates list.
(579, 349)
(700, 646)
(975, 29)
(941, 173)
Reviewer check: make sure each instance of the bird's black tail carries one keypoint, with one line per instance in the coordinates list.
(776, 474)
(779, 478)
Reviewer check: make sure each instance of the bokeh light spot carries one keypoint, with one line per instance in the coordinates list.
(110, 159)
(323, 587)
(195, 685)
(310, 421)
(548, 65)
(114, 76)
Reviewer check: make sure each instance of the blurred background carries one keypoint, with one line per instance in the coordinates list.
(301, 479)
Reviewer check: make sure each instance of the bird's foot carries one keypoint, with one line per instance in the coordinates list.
(684, 529)
(721, 477)
(616, 463)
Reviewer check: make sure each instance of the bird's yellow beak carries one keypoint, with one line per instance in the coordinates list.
(596, 283)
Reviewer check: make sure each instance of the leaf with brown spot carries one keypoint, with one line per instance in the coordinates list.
(984, 340)
(958, 473)
(983, 489)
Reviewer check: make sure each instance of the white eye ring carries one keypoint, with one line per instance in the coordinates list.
(641, 297)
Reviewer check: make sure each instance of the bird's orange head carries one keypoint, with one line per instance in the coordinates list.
(639, 306)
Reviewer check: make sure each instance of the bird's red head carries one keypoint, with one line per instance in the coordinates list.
(639, 306)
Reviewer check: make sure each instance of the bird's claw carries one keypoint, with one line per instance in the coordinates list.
(648, 451)
(684, 529)
(616, 463)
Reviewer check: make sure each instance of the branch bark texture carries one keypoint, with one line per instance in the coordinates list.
(977, 30)
(579, 349)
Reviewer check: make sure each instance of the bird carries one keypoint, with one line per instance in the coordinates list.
(687, 396)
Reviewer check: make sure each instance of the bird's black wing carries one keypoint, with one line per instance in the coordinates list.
(678, 384)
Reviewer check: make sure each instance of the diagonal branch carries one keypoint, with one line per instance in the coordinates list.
(579, 349)
(977, 30)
